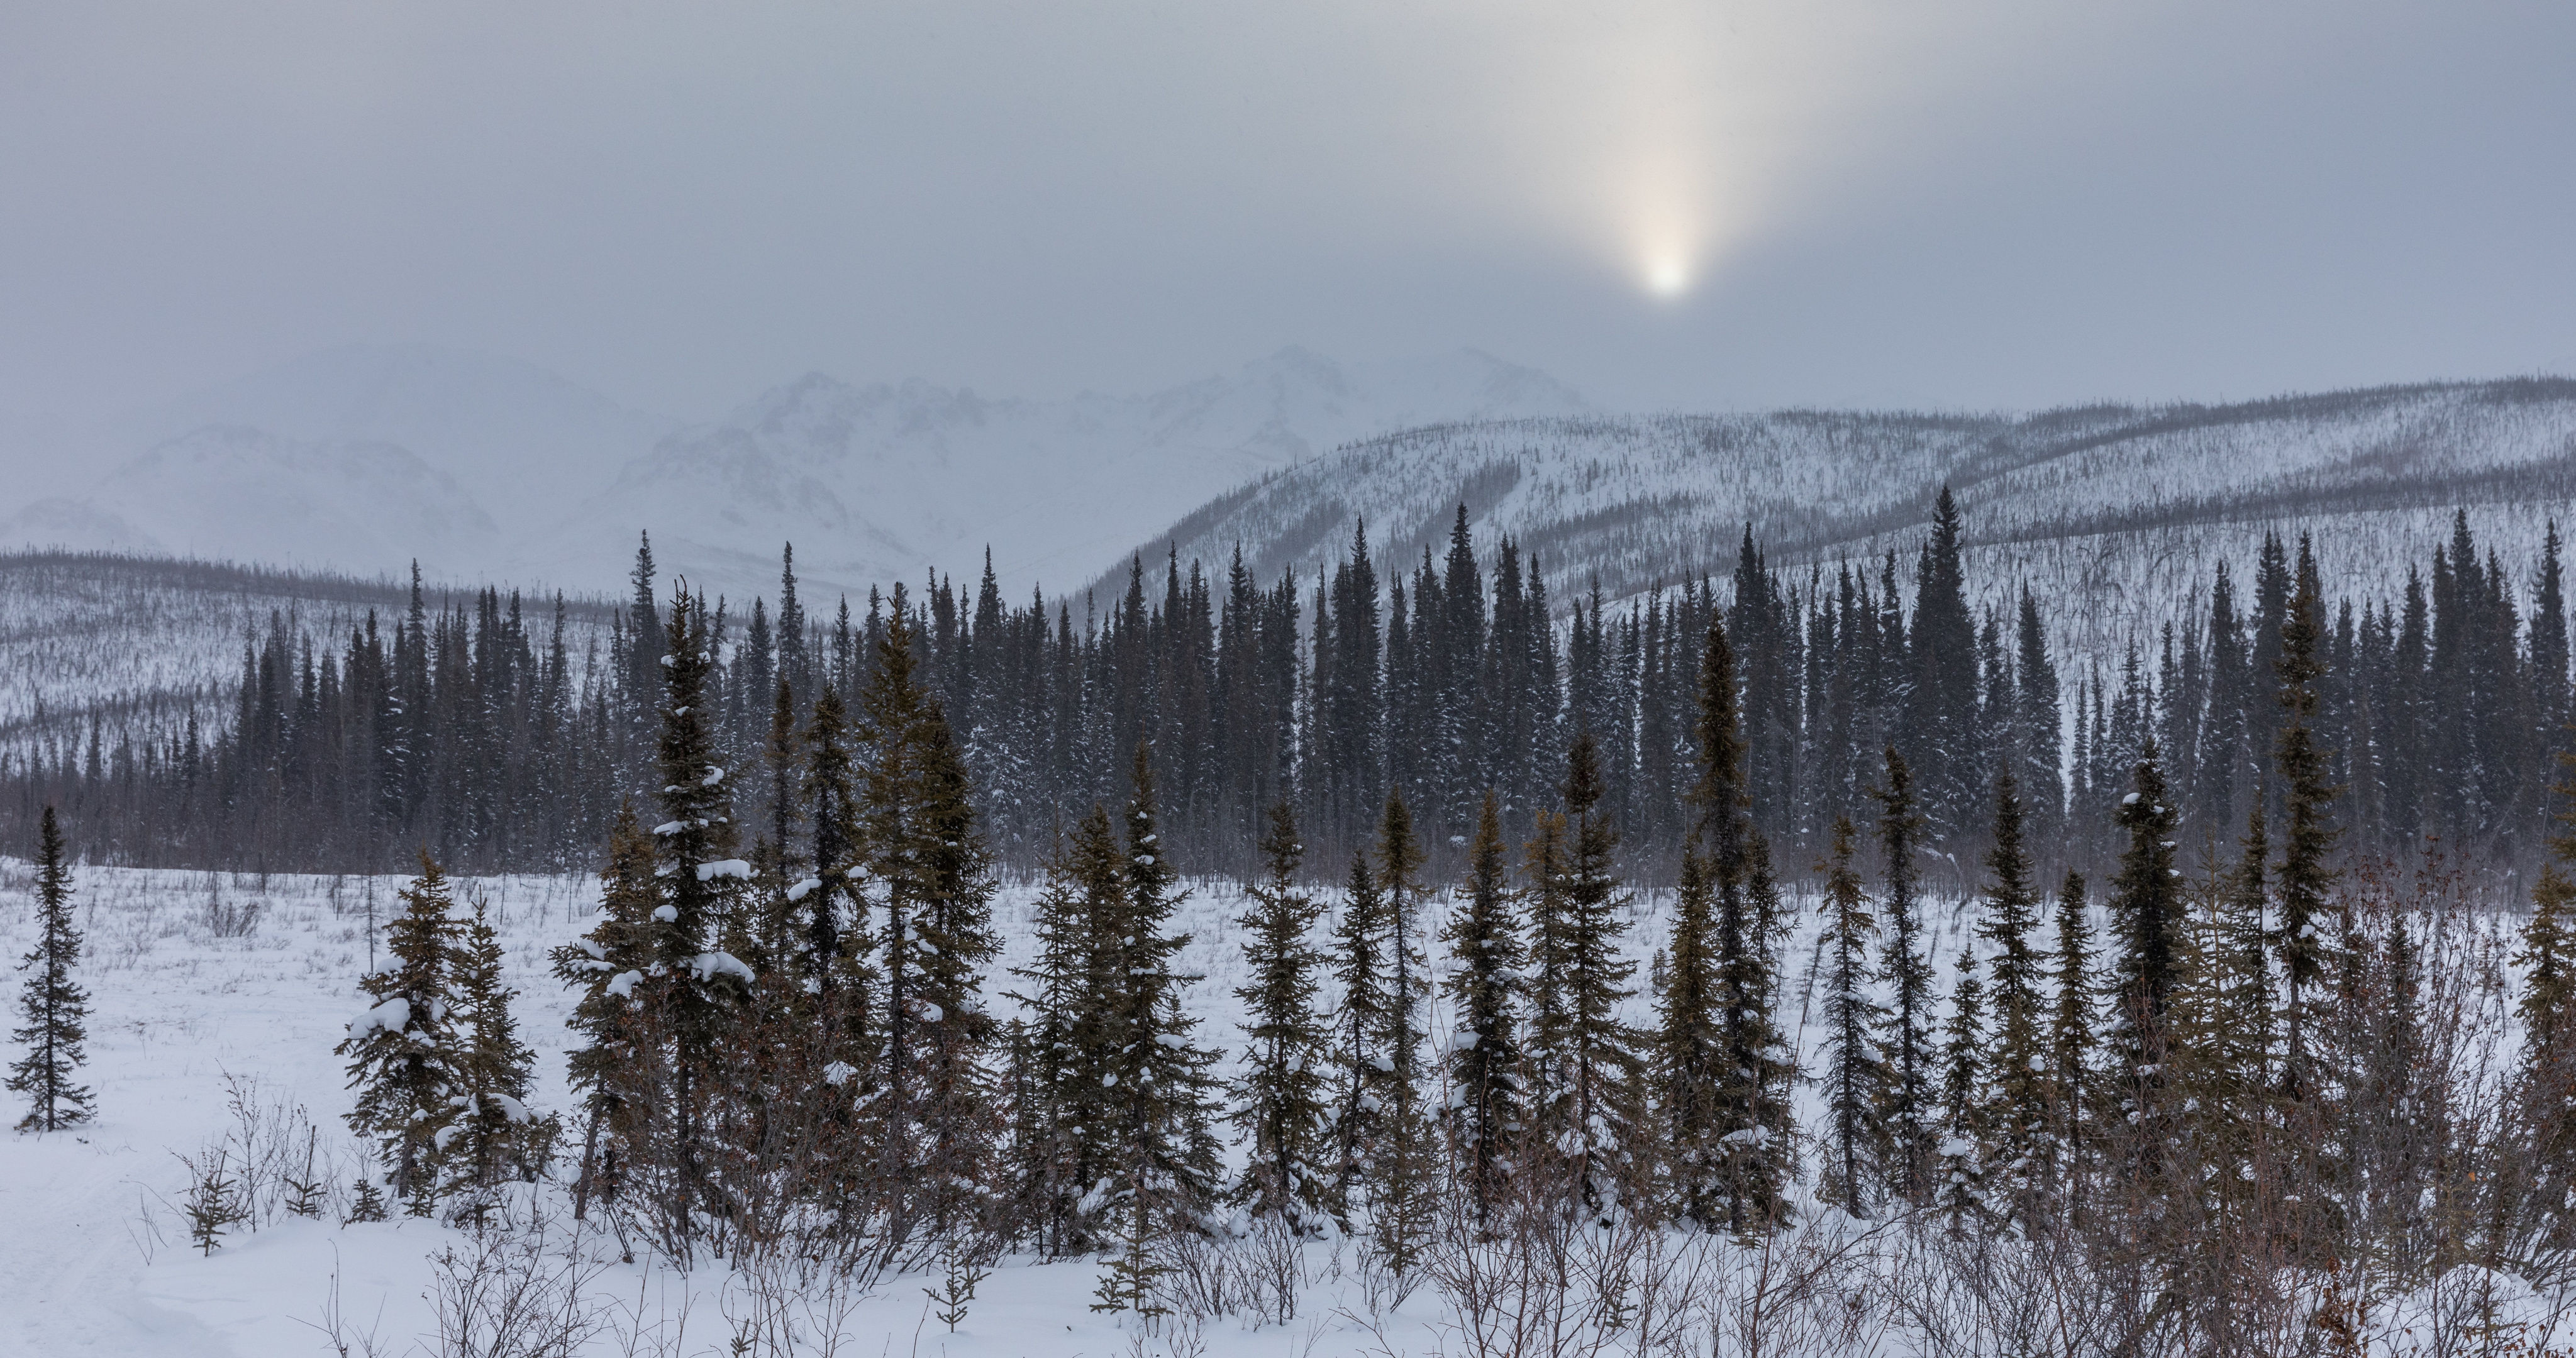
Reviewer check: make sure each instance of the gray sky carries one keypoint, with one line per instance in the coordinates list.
(1704, 206)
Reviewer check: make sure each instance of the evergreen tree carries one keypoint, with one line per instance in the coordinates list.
(1858, 1082)
(1363, 1069)
(605, 965)
(2300, 949)
(1279, 1098)
(502, 1138)
(1402, 1196)
(2147, 910)
(2016, 1062)
(1594, 1108)
(407, 1060)
(1161, 1150)
(1959, 1183)
(1689, 1049)
(1731, 1147)
(2545, 1085)
(55, 1006)
(1065, 1063)
(2070, 1034)
(1484, 989)
(1908, 975)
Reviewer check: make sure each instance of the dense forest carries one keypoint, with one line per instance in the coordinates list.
(479, 733)
(2256, 1104)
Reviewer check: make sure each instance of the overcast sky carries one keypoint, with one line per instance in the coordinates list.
(1709, 206)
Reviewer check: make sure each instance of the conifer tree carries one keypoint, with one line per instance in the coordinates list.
(2016, 1061)
(1595, 1114)
(1689, 1049)
(2298, 945)
(1959, 1186)
(1279, 1098)
(1401, 1198)
(2546, 1080)
(1738, 1143)
(502, 1138)
(407, 1060)
(1066, 1067)
(1908, 974)
(1484, 989)
(1858, 1081)
(2070, 1034)
(1363, 1070)
(936, 1113)
(1162, 1150)
(2146, 909)
(2245, 1001)
(605, 965)
(56, 1007)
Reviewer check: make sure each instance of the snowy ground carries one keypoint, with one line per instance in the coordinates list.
(216, 1002)
(189, 1005)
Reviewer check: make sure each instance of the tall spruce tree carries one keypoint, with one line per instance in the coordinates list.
(1279, 1099)
(1595, 1107)
(2147, 910)
(2070, 1037)
(501, 1137)
(1907, 972)
(2299, 947)
(1364, 1070)
(1402, 1196)
(1959, 1186)
(604, 966)
(2545, 1082)
(1739, 1151)
(55, 1006)
(407, 1060)
(1162, 1148)
(1689, 1047)
(1859, 1083)
(2016, 1061)
(1485, 990)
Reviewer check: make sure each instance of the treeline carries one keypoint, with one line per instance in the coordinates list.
(482, 734)
(2233, 1109)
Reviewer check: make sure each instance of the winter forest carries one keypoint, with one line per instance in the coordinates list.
(1667, 977)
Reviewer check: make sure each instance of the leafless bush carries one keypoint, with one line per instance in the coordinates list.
(520, 1290)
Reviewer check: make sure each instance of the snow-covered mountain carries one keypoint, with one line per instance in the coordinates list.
(488, 468)
(228, 492)
(2114, 513)
(877, 483)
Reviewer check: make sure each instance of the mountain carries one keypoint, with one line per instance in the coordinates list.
(2112, 512)
(524, 441)
(486, 467)
(876, 483)
(227, 492)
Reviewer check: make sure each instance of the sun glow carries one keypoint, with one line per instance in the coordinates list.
(1667, 275)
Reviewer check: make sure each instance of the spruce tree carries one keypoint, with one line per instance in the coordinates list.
(1690, 1046)
(2301, 952)
(55, 1006)
(502, 1138)
(1066, 1068)
(2070, 1035)
(1595, 1115)
(604, 966)
(407, 1060)
(1908, 975)
(1279, 1099)
(2016, 1062)
(1162, 1150)
(1858, 1080)
(1402, 1197)
(1959, 1179)
(1363, 1070)
(2545, 1085)
(1485, 991)
(936, 1117)
(2147, 911)
(1738, 1141)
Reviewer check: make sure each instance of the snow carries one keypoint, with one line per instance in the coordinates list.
(707, 966)
(801, 889)
(735, 868)
(94, 1265)
(666, 913)
(392, 1016)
